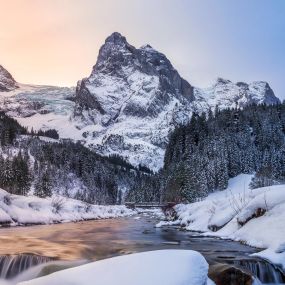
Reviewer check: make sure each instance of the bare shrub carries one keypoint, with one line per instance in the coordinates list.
(87, 207)
(239, 201)
(7, 200)
(57, 204)
(35, 206)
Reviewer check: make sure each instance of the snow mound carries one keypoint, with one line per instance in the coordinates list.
(255, 217)
(26, 210)
(167, 267)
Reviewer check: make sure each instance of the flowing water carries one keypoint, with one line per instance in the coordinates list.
(12, 265)
(28, 252)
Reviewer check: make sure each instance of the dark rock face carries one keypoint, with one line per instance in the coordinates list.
(7, 82)
(85, 99)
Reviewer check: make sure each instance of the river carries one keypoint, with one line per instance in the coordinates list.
(23, 247)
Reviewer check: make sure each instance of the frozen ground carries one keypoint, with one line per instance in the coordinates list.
(23, 210)
(255, 217)
(167, 267)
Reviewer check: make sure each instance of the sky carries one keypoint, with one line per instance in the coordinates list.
(56, 42)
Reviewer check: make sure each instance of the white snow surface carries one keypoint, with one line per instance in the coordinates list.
(231, 214)
(167, 267)
(26, 210)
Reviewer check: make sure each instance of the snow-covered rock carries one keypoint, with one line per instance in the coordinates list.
(128, 105)
(168, 267)
(255, 217)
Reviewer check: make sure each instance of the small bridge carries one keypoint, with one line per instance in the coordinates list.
(148, 205)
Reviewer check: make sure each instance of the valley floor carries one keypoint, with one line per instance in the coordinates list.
(254, 217)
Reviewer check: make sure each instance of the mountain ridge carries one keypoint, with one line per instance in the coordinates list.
(131, 101)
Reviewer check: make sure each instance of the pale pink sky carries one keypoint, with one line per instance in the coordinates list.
(57, 41)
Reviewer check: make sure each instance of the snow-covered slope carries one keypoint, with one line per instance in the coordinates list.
(255, 217)
(41, 107)
(27, 210)
(129, 104)
(28, 100)
(226, 94)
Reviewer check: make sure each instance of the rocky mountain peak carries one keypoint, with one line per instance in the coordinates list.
(130, 81)
(114, 54)
(147, 47)
(7, 82)
(222, 81)
(116, 39)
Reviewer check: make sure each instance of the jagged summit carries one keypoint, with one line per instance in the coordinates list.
(116, 38)
(7, 82)
(221, 80)
(147, 47)
(128, 81)
(227, 94)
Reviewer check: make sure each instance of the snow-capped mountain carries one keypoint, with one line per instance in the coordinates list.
(129, 104)
(227, 94)
(128, 81)
(134, 98)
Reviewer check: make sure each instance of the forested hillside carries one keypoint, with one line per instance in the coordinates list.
(202, 155)
(200, 158)
(30, 163)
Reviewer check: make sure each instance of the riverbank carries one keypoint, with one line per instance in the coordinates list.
(16, 210)
(253, 217)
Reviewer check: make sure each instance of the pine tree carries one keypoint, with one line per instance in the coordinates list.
(43, 186)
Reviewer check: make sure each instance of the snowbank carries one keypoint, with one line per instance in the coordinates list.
(167, 267)
(23, 210)
(255, 217)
